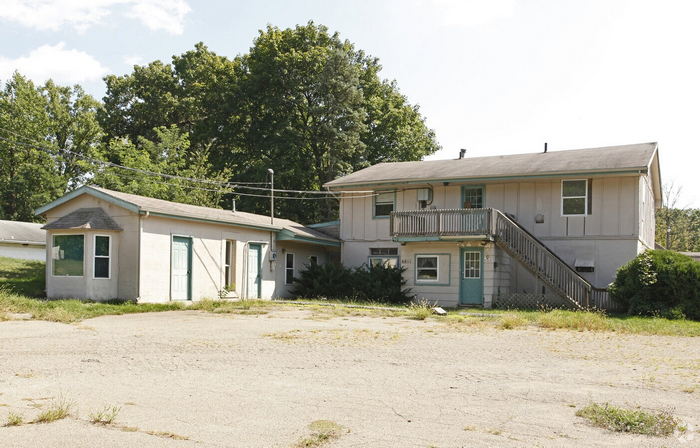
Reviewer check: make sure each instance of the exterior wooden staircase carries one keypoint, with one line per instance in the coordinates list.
(520, 244)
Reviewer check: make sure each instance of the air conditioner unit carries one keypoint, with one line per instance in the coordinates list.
(424, 194)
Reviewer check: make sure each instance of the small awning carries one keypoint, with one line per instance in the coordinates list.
(84, 218)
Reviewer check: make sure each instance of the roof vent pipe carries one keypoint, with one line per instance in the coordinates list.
(545, 147)
(462, 152)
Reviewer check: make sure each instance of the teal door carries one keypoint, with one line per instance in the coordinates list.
(181, 268)
(471, 287)
(254, 271)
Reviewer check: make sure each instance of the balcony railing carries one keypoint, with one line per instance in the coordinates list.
(441, 223)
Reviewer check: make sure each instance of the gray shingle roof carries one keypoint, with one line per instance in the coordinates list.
(176, 209)
(93, 218)
(609, 158)
(21, 232)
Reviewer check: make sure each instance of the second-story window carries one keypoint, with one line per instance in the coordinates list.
(383, 204)
(473, 197)
(574, 197)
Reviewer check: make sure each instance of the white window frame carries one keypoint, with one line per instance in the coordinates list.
(287, 268)
(585, 198)
(231, 254)
(437, 269)
(464, 264)
(52, 259)
(376, 202)
(108, 257)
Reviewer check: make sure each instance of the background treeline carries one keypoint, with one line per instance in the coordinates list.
(302, 101)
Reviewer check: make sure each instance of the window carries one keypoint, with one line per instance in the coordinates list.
(472, 264)
(228, 265)
(289, 269)
(427, 268)
(384, 256)
(383, 204)
(384, 251)
(102, 251)
(473, 197)
(67, 255)
(574, 197)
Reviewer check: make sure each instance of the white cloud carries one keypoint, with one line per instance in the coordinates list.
(471, 12)
(52, 15)
(168, 15)
(132, 59)
(55, 62)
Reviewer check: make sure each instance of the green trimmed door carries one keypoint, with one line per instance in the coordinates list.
(181, 268)
(471, 286)
(254, 271)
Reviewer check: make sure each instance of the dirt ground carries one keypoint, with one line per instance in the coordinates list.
(195, 379)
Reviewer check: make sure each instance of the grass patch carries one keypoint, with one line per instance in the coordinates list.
(23, 277)
(510, 321)
(322, 432)
(633, 421)
(57, 410)
(584, 321)
(104, 416)
(74, 310)
(14, 419)
(420, 310)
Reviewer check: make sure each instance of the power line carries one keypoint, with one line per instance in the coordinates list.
(231, 190)
(328, 194)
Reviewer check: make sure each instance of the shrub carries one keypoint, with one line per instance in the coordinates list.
(630, 420)
(659, 283)
(366, 283)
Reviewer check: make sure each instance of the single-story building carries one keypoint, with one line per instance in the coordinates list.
(23, 240)
(103, 244)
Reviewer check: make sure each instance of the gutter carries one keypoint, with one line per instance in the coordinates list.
(634, 171)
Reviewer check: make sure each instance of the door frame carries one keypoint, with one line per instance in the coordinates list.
(258, 248)
(189, 265)
(462, 250)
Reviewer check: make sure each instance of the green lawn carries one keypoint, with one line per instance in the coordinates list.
(22, 276)
(22, 281)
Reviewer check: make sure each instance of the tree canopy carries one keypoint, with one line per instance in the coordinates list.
(302, 101)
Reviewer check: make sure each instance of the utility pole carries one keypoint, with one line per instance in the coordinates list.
(272, 195)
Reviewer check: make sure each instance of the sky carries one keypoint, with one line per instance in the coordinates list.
(492, 76)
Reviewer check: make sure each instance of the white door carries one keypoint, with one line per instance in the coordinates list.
(181, 270)
(253, 289)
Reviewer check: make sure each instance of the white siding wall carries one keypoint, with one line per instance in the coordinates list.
(208, 246)
(620, 218)
(124, 282)
(23, 252)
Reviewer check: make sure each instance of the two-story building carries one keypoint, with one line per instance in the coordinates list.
(478, 231)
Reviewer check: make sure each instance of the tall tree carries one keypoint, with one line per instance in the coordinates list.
(50, 117)
(167, 154)
(302, 101)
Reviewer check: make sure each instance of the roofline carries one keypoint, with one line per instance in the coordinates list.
(324, 224)
(29, 243)
(86, 189)
(213, 221)
(288, 235)
(636, 170)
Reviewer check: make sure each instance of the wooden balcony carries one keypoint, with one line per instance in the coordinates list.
(441, 224)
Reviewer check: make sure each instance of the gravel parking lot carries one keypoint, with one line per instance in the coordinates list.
(189, 378)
